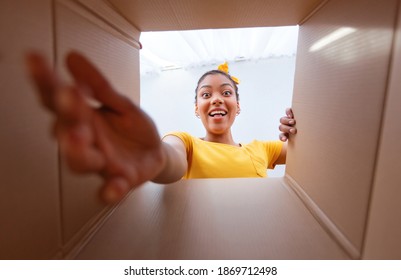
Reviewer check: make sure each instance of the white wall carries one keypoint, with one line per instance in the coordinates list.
(265, 91)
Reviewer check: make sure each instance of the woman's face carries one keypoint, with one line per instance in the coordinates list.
(217, 104)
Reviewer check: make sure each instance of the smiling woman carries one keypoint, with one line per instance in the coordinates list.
(217, 105)
(217, 155)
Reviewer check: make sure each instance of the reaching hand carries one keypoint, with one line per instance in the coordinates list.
(116, 140)
(287, 125)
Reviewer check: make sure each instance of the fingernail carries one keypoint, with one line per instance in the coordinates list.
(121, 185)
(291, 122)
(292, 130)
(111, 195)
(116, 191)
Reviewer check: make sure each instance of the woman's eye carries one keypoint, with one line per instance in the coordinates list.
(227, 93)
(205, 95)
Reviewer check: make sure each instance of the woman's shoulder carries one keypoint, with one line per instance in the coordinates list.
(184, 136)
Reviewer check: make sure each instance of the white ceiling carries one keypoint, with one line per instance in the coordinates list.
(168, 50)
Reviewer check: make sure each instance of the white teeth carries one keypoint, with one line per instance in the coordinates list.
(222, 113)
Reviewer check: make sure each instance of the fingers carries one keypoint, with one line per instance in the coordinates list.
(287, 121)
(80, 155)
(114, 189)
(43, 77)
(287, 129)
(75, 132)
(71, 106)
(76, 126)
(287, 125)
(289, 113)
(283, 137)
(85, 73)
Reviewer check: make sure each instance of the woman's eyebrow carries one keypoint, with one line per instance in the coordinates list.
(205, 86)
(222, 85)
(226, 84)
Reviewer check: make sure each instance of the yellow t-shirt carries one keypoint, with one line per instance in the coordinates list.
(216, 160)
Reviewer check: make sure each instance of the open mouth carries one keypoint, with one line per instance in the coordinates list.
(218, 113)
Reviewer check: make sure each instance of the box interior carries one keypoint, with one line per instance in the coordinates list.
(339, 196)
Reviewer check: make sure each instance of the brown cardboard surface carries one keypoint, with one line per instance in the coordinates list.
(105, 12)
(384, 226)
(338, 100)
(341, 96)
(29, 191)
(158, 15)
(212, 219)
(112, 47)
(117, 57)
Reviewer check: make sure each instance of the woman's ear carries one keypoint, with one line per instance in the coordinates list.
(238, 108)
(197, 111)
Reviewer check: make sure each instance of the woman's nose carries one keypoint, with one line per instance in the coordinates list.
(217, 100)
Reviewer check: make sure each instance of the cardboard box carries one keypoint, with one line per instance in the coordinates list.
(29, 201)
(338, 199)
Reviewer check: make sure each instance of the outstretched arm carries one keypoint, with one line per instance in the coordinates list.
(115, 139)
(176, 163)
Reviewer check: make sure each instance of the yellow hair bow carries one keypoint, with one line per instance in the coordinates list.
(224, 67)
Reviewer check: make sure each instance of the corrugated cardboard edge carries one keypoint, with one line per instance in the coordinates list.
(86, 234)
(79, 241)
(323, 219)
(103, 12)
(314, 11)
(369, 240)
